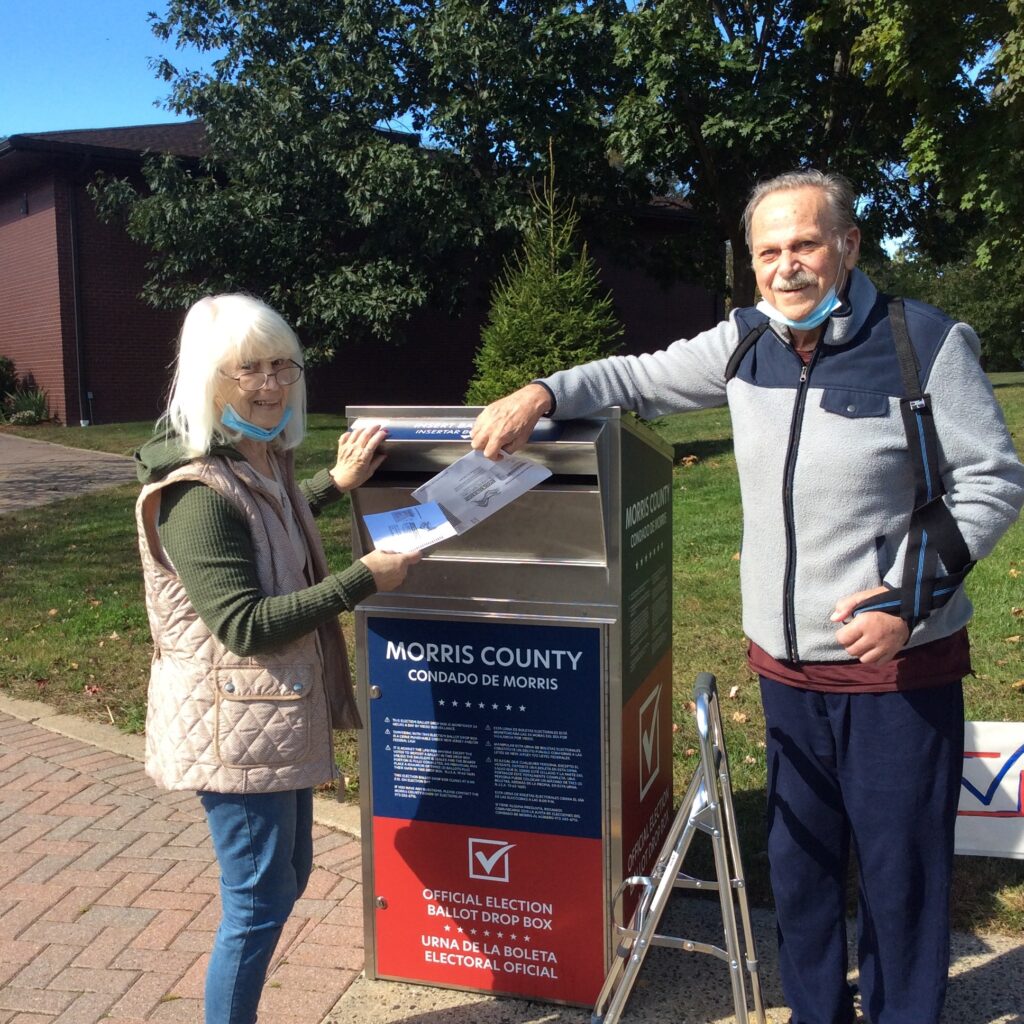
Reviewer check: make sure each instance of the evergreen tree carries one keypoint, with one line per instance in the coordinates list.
(548, 311)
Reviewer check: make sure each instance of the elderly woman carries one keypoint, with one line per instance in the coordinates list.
(249, 673)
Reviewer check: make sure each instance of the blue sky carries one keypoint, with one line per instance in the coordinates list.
(81, 64)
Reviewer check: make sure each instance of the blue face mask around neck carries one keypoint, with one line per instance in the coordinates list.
(233, 421)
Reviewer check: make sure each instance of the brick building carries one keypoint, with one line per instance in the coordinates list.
(69, 308)
(70, 312)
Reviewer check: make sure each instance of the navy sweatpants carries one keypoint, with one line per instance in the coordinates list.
(880, 771)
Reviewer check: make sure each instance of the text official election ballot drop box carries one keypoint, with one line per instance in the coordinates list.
(517, 691)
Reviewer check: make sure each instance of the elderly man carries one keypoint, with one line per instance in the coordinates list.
(875, 469)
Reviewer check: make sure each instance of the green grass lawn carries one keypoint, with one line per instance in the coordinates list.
(74, 629)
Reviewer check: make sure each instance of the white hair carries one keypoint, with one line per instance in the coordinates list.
(221, 332)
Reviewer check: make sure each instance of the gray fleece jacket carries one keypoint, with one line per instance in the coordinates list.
(825, 475)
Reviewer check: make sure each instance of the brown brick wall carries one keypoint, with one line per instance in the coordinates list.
(125, 346)
(655, 315)
(435, 364)
(30, 312)
(431, 367)
(128, 345)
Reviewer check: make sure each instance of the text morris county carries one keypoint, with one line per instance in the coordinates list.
(491, 656)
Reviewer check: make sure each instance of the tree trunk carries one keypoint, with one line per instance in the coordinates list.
(743, 284)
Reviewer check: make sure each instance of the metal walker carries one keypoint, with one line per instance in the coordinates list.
(707, 807)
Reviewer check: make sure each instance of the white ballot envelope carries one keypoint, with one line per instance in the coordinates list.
(466, 493)
(409, 529)
(474, 487)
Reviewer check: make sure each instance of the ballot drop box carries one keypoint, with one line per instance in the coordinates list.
(516, 761)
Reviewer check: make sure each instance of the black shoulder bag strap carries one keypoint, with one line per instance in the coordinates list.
(933, 532)
(747, 342)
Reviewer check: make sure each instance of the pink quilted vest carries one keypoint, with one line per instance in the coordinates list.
(216, 721)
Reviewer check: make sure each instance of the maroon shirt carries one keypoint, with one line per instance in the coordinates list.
(915, 668)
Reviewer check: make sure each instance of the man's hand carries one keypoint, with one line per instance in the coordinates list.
(508, 422)
(872, 637)
(358, 456)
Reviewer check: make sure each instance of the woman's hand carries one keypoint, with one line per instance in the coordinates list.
(358, 456)
(389, 568)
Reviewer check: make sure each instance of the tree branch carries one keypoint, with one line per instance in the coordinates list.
(723, 18)
(761, 44)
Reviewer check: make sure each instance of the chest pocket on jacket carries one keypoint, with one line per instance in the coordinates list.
(854, 404)
(263, 717)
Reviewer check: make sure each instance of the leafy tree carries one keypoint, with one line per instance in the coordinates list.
(726, 94)
(961, 64)
(304, 200)
(494, 80)
(548, 311)
(991, 302)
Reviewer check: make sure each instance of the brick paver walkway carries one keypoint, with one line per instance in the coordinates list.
(108, 896)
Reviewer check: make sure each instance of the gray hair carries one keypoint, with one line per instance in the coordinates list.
(837, 190)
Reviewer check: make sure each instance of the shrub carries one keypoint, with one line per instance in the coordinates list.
(26, 406)
(548, 312)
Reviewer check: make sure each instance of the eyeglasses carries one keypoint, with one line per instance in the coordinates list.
(255, 380)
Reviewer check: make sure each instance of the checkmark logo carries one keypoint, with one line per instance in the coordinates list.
(647, 740)
(650, 747)
(485, 499)
(986, 797)
(489, 859)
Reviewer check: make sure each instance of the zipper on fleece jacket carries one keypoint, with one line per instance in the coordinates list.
(788, 515)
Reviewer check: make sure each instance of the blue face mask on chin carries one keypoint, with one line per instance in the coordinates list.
(830, 302)
(233, 421)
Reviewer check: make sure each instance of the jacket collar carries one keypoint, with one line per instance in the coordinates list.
(846, 321)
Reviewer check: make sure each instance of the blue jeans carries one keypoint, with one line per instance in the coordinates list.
(878, 773)
(264, 846)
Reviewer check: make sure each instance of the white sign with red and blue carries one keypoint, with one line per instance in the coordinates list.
(486, 793)
(990, 819)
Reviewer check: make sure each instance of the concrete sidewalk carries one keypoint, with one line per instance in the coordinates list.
(36, 472)
(108, 908)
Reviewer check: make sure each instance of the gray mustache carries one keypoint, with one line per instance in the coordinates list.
(800, 280)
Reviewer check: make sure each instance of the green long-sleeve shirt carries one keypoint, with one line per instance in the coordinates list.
(208, 541)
